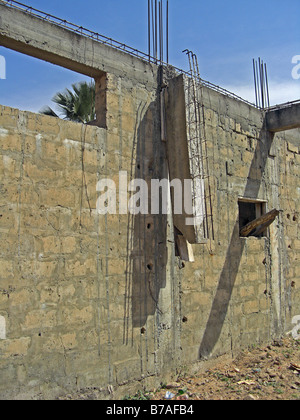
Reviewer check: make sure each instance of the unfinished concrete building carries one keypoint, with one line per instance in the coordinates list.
(119, 302)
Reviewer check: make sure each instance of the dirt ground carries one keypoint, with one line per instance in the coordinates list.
(268, 373)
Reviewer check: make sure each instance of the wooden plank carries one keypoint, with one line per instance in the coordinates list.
(263, 221)
(263, 227)
(185, 249)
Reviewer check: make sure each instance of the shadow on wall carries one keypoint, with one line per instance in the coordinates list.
(234, 253)
(146, 234)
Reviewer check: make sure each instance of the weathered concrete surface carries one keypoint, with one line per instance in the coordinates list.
(90, 300)
(177, 148)
(86, 299)
(283, 119)
(38, 38)
(245, 288)
(33, 36)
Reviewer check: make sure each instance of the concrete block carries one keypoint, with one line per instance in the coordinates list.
(16, 348)
(251, 306)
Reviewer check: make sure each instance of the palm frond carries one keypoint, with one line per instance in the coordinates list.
(48, 111)
(77, 104)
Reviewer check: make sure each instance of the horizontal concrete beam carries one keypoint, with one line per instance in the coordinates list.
(282, 119)
(35, 37)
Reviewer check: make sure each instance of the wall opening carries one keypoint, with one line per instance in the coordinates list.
(33, 88)
(249, 211)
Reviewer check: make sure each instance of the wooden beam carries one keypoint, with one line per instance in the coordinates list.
(185, 249)
(262, 223)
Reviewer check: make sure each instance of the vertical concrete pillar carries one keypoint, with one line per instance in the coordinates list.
(100, 100)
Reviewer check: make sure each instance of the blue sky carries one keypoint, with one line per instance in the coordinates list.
(225, 35)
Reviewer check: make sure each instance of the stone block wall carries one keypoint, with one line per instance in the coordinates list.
(239, 291)
(90, 300)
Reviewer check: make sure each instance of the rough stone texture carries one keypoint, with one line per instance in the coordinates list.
(82, 307)
(80, 304)
(241, 291)
(91, 301)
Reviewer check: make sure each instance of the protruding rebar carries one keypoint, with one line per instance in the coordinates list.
(255, 84)
(267, 85)
(261, 84)
(167, 31)
(149, 31)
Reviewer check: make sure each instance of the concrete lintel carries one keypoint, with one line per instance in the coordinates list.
(35, 37)
(282, 119)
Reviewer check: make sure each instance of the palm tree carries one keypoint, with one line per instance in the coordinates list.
(77, 105)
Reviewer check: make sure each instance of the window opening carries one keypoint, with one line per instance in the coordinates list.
(28, 90)
(250, 214)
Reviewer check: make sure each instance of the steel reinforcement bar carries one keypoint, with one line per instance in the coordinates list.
(112, 43)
